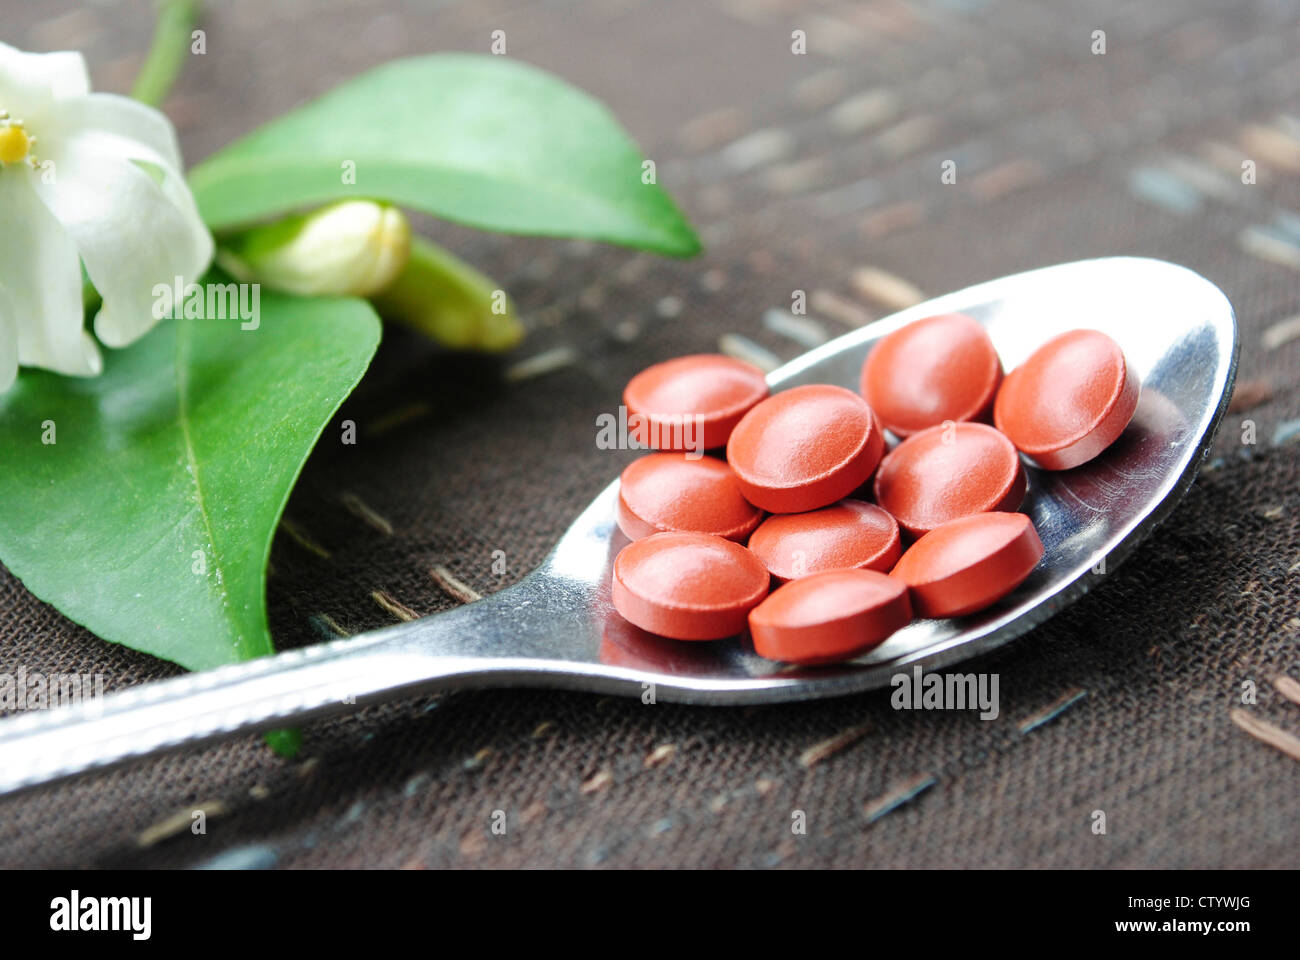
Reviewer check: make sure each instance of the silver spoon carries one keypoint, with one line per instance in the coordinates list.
(557, 628)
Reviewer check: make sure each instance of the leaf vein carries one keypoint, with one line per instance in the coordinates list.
(183, 416)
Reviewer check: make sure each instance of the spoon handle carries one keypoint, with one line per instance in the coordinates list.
(263, 694)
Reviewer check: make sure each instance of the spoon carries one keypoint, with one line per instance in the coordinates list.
(558, 628)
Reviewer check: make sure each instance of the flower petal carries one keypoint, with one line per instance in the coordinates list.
(29, 82)
(8, 343)
(42, 277)
(132, 233)
(119, 126)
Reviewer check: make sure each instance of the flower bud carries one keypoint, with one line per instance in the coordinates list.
(350, 248)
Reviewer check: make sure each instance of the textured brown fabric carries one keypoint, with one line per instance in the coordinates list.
(799, 180)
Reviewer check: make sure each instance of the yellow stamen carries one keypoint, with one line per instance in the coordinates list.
(15, 143)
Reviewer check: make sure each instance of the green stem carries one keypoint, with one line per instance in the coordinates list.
(443, 297)
(171, 44)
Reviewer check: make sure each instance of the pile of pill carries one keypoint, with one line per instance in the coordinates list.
(782, 537)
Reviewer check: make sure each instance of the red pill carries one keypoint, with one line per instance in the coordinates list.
(670, 491)
(935, 369)
(947, 472)
(968, 563)
(850, 534)
(688, 586)
(1069, 401)
(804, 448)
(828, 616)
(693, 402)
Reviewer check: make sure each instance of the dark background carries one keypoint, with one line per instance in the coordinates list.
(799, 177)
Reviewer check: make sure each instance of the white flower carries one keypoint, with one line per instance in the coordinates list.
(84, 177)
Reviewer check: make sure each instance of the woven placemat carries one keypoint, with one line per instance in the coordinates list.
(818, 173)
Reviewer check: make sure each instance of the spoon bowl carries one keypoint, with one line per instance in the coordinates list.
(558, 627)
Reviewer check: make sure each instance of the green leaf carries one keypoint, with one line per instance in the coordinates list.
(479, 140)
(190, 441)
(286, 742)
